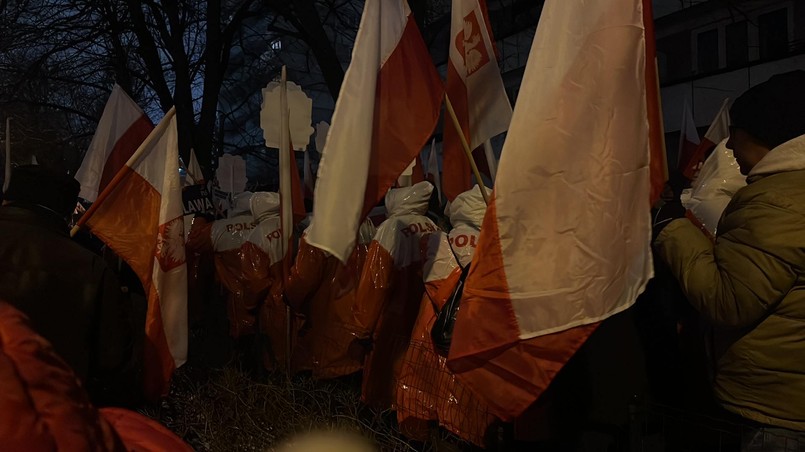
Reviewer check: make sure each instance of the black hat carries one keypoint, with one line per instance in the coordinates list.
(774, 111)
(34, 184)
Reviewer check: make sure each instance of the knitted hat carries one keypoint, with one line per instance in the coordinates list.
(774, 111)
(34, 184)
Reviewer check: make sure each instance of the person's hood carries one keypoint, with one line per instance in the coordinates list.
(468, 208)
(264, 205)
(409, 200)
(242, 205)
(789, 156)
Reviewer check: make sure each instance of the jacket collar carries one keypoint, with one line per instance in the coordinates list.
(789, 156)
(34, 215)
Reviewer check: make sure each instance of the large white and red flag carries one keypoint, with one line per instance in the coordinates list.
(123, 126)
(386, 111)
(565, 242)
(719, 130)
(688, 138)
(475, 89)
(140, 217)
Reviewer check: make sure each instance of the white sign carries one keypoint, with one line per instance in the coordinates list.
(301, 108)
(231, 173)
(322, 129)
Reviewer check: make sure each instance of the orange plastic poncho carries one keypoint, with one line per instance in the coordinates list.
(324, 290)
(261, 264)
(426, 390)
(390, 291)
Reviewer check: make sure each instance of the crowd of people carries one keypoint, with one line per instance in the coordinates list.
(727, 309)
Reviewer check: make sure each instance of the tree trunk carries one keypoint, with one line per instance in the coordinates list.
(320, 44)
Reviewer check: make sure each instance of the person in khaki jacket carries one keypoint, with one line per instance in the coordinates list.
(750, 283)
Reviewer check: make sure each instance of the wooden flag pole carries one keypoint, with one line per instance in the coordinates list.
(119, 176)
(491, 161)
(286, 200)
(466, 146)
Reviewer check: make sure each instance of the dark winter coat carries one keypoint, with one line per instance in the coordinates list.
(71, 297)
(750, 285)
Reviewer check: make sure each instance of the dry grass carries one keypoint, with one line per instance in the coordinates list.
(228, 410)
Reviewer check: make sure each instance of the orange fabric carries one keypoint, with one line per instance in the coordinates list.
(141, 434)
(324, 290)
(456, 171)
(42, 405)
(244, 294)
(128, 222)
(405, 114)
(124, 148)
(505, 372)
(273, 321)
(658, 163)
(428, 391)
(386, 306)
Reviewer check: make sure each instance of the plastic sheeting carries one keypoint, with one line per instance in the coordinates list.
(324, 290)
(390, 289)
(228, 236)
(718, 180)
(426, 390)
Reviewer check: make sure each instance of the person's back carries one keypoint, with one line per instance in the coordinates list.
(750, 284)
(72, 298)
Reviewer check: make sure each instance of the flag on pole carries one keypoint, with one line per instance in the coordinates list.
(688, 138)
(476, 90)
(123, 126)
(140, 217)
(433, 170)
(297, 190)
(719, 130)
(387, 109)
(194, 173)
(565, 242)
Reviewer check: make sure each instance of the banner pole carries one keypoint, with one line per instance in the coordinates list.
(466, 146)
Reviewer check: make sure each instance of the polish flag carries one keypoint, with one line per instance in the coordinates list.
(140, 217)
(688, 138)
(433, 170)
(123, 126)
(195, 176)
(387, 109)
(719, 130)
(476, 91)
(565, 242)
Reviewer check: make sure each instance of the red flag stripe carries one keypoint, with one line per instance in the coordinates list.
(402, 122)
(124, 148)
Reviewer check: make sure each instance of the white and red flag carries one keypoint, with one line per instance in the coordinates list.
(719, 130)
(475, 89)
(123, 126)
(140, 217)
(688, 138)
(387, 109)
(565, 242)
